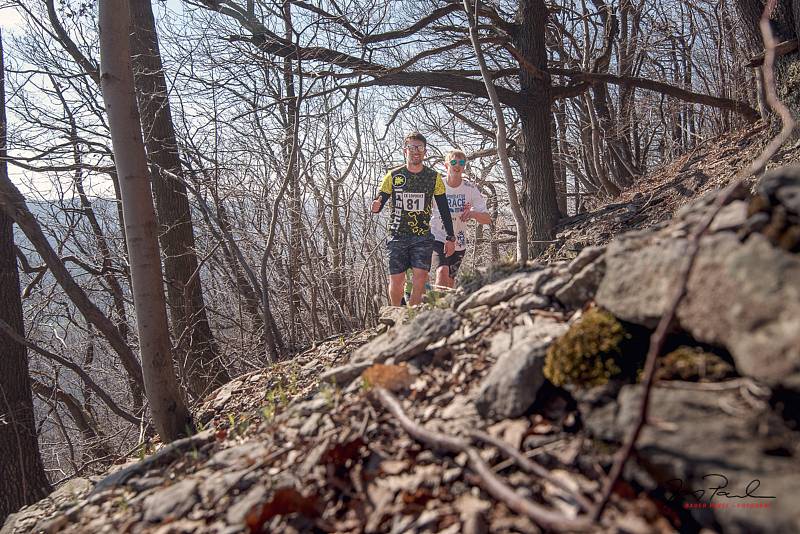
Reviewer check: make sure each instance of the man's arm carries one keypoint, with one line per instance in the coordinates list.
(379, 202)
(481, 216)
(383, 194)
(477, 208)
(440, 196)
(444, 213)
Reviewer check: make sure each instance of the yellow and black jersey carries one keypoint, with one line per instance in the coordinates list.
(411, 198)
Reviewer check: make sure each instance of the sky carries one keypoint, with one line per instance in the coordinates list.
(38, 186)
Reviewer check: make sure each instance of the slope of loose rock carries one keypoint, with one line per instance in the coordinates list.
(479, 440)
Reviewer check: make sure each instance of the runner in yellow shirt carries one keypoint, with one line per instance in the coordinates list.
(412, 188)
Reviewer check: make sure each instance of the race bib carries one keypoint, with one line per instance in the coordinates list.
(412, 201)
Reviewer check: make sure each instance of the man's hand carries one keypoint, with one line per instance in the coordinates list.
(376, 205)
(449, 248)
(467, 213)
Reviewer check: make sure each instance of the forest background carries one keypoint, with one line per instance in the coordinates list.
(268, 126)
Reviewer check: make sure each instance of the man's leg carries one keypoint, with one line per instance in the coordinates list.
(399, 261)
(418, 280)
(443, 276)
(420, 254)
(397, 283)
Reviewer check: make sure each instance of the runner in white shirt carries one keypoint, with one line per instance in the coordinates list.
(466, 203)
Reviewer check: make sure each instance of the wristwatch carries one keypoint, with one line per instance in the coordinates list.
(450, 238)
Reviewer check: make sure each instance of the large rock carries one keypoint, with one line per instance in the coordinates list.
(506, 288)
(691, 436)
(408, 340)
(400, 343)
(743, 296)
(511, 386)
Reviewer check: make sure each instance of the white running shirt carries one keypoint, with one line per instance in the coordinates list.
(457, 197)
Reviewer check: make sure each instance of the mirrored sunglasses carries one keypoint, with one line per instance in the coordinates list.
(461, 162)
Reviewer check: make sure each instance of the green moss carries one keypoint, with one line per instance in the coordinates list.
(693, 363)
(589, 353)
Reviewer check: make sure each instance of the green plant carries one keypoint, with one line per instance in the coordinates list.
(693, 363)
(589, 353)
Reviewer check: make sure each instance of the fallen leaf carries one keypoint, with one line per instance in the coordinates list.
(341, 453)
(284, 501)
(391, 377)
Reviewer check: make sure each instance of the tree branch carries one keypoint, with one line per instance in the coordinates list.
(590, 78)
(542, 516)
(75, 368)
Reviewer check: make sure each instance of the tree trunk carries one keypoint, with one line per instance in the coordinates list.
(538, 193)
(501, 142)
(197, 352)
(785, 22)
(22, 477)
(171, 418)
(295, 205)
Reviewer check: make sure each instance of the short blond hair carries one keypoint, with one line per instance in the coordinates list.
(456, 152)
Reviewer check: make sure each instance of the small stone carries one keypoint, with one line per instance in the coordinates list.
(238, 512)
(511, 386)
(172, 502)
(311, 424)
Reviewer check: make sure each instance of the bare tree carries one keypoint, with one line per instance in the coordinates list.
(197, 351)
(170, 415)
(22, 477)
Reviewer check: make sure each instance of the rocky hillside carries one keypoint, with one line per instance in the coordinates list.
(500, 408)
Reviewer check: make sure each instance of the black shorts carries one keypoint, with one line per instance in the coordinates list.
(409, 251)
(440, 260)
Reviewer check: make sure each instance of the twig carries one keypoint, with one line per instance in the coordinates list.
(75, 368)
(658, 337)
(532, 467)
(493, 485)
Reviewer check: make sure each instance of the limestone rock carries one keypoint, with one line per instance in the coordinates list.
(695, 437)
(393, 315)
(511, 386)
(730, 217)
(743, 296)
(408, 340)
(400, 343)
(173, 502)
(506, 288)
(582, 287)
(587, 255)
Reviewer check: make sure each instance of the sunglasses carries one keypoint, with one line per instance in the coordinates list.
(461, 162)
(415, 148)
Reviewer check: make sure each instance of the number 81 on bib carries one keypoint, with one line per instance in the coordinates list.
(412, 201)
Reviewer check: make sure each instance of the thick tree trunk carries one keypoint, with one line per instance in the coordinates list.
(22, 477)
(171, 418)
(197, 352)
(785, 22)
(538, 196)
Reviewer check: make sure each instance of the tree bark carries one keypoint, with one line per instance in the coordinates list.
(785, 23)
(291, 148)
(171, 418)
(22, 477)
(197, 351)
(538, 193)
